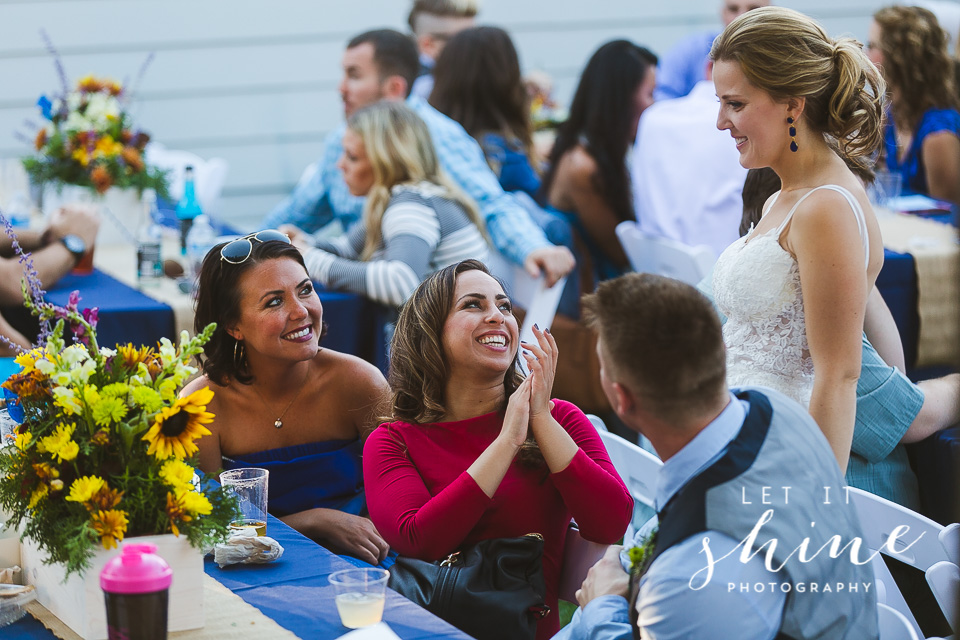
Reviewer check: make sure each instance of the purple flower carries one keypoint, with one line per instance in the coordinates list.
(92, 316)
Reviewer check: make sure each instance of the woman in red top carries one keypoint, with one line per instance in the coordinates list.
(477, 451)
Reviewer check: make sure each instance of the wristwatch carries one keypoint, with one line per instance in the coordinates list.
(75, 245)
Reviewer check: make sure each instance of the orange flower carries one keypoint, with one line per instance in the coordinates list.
(132, 157)
(113, 87)
(41, 139)
(104, 499)
(101, 179)
(89, 84)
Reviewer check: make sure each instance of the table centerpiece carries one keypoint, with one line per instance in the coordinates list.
(88, 150)
(105, 450)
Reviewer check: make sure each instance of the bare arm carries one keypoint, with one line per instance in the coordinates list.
(941, 408)
(941, 160)
(577, 172)
(882, 331)
(830, 257)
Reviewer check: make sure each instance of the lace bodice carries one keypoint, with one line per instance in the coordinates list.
(756, 285)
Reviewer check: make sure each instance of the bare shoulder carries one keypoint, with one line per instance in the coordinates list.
(577, 165)
(352, 374)
(830, 209)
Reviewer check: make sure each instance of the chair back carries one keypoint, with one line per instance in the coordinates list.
(529, 293)
(578, 556)
(638, 469)
(944, 581)
(893, 626)
(950, 539)
(664, 256)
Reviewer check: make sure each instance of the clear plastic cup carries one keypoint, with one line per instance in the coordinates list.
(360, 596)
(886, 188)
(250, 488)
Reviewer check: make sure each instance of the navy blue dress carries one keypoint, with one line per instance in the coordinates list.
(912, 169)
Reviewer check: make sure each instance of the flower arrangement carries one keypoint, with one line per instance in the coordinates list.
(88, 139)
(105, 449)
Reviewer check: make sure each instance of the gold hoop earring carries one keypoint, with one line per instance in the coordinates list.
(238, 355)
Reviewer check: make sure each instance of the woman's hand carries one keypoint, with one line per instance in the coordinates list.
(298, 237)
(542, 364)
(517, 417)
(347, 533)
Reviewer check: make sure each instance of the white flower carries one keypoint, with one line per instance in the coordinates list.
(107, 352)
(83, 372)
(76, 122)
(74, 354)
(168, 352)
(45, 367)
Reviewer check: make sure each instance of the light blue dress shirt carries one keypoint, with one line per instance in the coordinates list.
(668, 607)
(324, 197)
(684, 66)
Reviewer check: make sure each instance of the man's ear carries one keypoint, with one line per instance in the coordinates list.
(624, 400)
(394, 88)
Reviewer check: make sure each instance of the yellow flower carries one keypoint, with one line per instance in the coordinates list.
(168, 390)
(22, 440)
(81, 156)
(176, 473)
(90, 395)
(68, 451)
(110, 526)
(115, 390)
(107, 147)
(66, 399)
(175, 428)
(184, 506)
(45, 472)
(83, 489)
(38, 494)
(53, 443)
(147, 398)
(109, 410)
(27, 359)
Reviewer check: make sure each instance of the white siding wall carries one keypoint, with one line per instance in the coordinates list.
(255, 82)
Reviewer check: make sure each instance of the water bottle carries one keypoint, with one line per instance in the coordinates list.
(149, 240)
(201, 238)
(188, 208)
(136, 587)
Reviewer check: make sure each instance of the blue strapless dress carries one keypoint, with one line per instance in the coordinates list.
(325, 475)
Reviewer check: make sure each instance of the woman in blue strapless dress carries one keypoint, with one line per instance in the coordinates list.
(281, 402)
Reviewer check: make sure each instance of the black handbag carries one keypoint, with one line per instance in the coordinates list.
(491, 590)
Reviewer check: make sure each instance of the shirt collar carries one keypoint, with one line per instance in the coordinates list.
(701, 451)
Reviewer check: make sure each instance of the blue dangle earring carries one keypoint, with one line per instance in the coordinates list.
(793, 135)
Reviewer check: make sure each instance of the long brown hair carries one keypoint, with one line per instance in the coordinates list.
(418, 366)
(916, 64)
(788, 55)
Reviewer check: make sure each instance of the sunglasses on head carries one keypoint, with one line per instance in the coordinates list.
(237, 251)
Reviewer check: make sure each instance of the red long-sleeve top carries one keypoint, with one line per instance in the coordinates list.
(425, 504)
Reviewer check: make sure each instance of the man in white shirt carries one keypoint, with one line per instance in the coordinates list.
(686, 173)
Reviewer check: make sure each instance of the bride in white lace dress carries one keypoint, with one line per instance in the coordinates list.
(795, 288)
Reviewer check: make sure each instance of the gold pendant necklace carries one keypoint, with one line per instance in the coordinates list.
(278, 423)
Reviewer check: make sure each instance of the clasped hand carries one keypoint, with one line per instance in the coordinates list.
(530, 403)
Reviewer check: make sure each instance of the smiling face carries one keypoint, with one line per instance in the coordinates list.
(480, 333)
(756, 121)
(280, 313)
(355, 165)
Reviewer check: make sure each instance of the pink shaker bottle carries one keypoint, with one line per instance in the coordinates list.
(135, 586)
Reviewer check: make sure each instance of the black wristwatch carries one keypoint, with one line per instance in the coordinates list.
(75, 245)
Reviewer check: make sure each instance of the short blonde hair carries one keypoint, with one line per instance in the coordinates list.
(442, 9)
(788, 55)
(400, 150)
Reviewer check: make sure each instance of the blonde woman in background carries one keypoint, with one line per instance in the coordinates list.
(415, 221)
(795, 289)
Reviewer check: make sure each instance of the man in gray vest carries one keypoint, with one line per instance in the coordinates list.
(749, 498)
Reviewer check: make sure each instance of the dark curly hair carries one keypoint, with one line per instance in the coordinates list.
(916, 64)
(218, 300)
(418, 367)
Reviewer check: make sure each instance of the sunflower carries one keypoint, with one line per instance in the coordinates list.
(110, 526)
(175, 428)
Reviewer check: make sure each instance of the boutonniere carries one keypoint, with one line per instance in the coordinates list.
(640, 556)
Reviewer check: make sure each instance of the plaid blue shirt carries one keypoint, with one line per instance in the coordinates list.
(324, 197)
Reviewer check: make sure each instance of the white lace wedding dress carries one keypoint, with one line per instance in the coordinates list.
(756, 285)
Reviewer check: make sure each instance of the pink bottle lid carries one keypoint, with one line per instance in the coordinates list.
(138, 569)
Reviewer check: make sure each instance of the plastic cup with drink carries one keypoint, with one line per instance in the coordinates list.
(360, 595)
(249, 486)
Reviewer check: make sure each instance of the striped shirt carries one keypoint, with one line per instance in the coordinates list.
(422, 231)
(323, 196)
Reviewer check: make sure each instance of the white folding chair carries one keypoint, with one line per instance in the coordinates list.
(578, 556)
(879, 518)
(531, 294)
(893, 626)
(209, 175)
(664, 256)
(944, 581)
(950, 539)
(638, 469)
